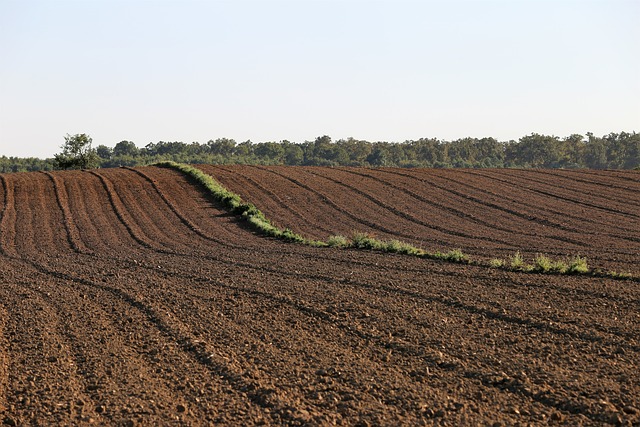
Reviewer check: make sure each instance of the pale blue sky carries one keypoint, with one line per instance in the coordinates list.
(268, 70)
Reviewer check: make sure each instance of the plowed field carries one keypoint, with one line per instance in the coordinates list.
(128, 297)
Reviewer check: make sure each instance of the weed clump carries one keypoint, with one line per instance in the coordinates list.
(497, 263)
(366, 241)
(400, 247)
(338, 242)
(517, 262)
(455, 255)
(545, 264)
(578, 265)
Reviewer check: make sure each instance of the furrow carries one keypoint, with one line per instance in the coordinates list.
(341, 210)
(116, 348)
(160, 225)
(119, 210)
(36, 229)
(177, 333)
(270, 201)
(193, 227)
(630, 176)
(62, 200)
(95, 217)
(551, 180)
(8, 220)
(492, 206)
(410, 217)
(280, 272)
(533, 207)
(574, 175)
(40, 368)
(403, 349)
(4, 358)
(567, 198)
(596, 247)
(473, 218)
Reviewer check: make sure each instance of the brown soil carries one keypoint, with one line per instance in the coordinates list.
(127, 297)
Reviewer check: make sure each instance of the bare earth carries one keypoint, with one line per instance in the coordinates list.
(127, 297)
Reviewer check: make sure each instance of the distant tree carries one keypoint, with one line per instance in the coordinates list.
(293, 154)
(427, 152)
(77, 153)
(270, 151)
(595, 152)
(104, 152)
(244, 150)
(357, 151)
(380, 155)
(535, 151)
(125, 148)
(221, 146)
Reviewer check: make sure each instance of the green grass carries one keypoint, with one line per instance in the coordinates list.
(578, 265)
(338, 242)
(497, 263)
(544, 264)
(517, 262)
(454, 255)
(257, 220)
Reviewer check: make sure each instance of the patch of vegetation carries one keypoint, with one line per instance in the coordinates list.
(497, 263)
(338, 242)
(517, 262)
(578, 265)
(366, 241)
(77, 153)
(544, 264)
(369, 242)
(454, 255)
(617, 275)
(400, 247)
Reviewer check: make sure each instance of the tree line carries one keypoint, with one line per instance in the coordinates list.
(612, 151)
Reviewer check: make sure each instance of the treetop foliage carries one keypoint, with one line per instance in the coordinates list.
(76, 153)
(612, 151)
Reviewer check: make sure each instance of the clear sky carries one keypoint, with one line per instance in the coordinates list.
(268, 70)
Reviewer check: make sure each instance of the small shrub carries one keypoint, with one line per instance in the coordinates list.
(497, 263)
(456, 255)
(547, 265)
(289, 235)
(338, 242)
(543, 263)
(366, 241)
(399, 247)
(517, 262)
(560, 267)
(578, 265)
(622, 275)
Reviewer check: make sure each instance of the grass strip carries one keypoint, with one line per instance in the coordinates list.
(257, 220)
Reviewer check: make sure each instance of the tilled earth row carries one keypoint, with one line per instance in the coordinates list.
(128, 297)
